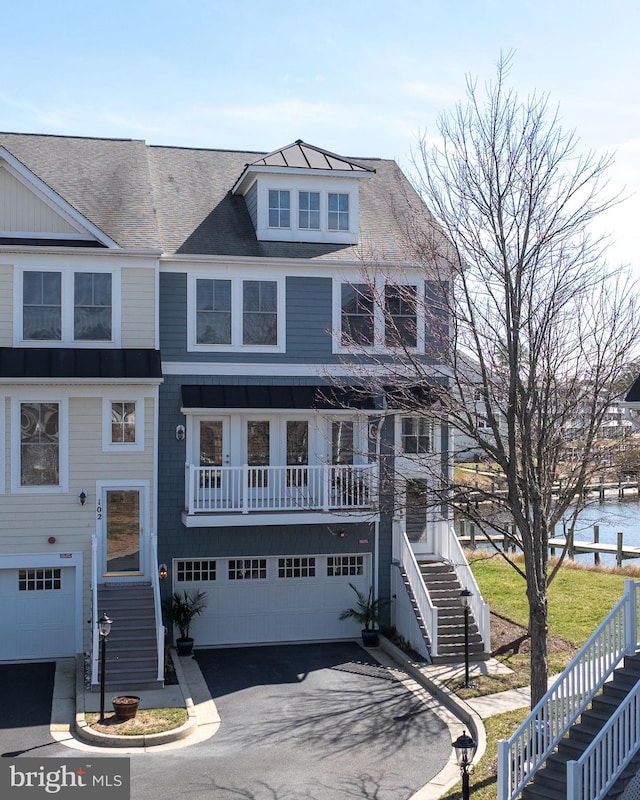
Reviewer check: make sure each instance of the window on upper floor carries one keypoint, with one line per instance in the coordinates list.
(39, 444)
(416, 435)
(389, 316)
(401, 320)
(66, 306)
(122, 424)
(236, 313)
(279, 208)
(338, 212)
(357, 310)
(309, 210)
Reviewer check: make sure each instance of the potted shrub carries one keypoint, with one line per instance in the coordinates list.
(181, 608)
(367, 613)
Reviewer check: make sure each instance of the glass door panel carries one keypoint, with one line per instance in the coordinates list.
(123, 532)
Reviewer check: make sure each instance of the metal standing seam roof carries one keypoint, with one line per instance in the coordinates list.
(91, 363)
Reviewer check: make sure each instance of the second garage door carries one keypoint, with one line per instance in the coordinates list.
(274, 598)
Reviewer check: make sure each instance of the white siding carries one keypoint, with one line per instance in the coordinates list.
(6, 305)
(21, 211)
(138, 307)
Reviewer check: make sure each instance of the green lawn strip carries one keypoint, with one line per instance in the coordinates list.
(146, 721)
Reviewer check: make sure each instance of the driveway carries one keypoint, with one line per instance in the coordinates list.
(26, 692)
(315, 722)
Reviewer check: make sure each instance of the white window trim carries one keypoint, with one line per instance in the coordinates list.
(294, 184)
(122, 447)
(435, 437)
(67, 295)
(236, 345)
(379, 345)
(63, 448)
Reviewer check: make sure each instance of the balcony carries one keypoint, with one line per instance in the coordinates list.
(317, 492)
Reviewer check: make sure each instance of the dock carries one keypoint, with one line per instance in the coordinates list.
(468, 537)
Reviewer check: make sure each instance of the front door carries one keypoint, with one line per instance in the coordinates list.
(120, 508)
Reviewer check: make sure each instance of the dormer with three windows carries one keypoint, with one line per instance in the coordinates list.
(301, 193)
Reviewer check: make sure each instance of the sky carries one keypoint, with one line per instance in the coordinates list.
(358, 77)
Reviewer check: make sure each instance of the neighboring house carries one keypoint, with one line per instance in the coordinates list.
(79, 376)
(265, 463)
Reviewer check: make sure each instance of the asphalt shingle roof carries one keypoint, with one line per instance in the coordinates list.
(179, 200)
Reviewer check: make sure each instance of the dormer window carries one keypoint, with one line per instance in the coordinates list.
(309, 211)
(279, 208)
(303, 194)
(338, 215)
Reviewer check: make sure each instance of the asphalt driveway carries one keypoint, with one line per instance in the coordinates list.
(26, 692)
(315, 722)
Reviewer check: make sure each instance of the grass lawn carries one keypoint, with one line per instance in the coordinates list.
(579, 599)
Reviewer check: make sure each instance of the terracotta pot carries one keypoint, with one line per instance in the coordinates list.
(126, 706)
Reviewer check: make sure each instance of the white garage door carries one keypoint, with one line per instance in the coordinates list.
(274, 599)
(38, 613)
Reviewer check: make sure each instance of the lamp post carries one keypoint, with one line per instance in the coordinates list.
(465, 594)
(104, 628)
(465, 749)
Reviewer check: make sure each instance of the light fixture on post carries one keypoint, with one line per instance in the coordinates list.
(82, 497)
(163, 572)
(465, 595)
(104, 629)
(465, 749)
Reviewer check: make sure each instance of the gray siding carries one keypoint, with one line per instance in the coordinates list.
(251, 199)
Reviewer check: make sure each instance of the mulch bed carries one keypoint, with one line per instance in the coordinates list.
(508, 638)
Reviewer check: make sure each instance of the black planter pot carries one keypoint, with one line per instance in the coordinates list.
(370, 638)
(184, 647)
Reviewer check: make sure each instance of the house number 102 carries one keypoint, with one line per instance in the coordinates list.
(99, 509)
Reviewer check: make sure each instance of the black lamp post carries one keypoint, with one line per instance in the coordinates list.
(465, 594)
(465, 749)
(104, 628)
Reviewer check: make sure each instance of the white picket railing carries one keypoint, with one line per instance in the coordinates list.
(608, 754)
(521, 756)
(95, 633)
(406, 560)
(246, 489)
(155, 583)
(449, 549)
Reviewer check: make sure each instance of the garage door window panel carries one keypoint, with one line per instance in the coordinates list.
(247, 569)
(196, 570)
(345, 566)
(302, 567)
(38, 580)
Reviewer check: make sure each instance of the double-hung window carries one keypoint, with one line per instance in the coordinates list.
(309, 210)
(279, 208)
(417, 435)
(357, 314)
(67, 306)
(236, 313)
(338, 212)
(401, 322)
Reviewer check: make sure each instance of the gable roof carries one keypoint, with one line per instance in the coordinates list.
(179, 200)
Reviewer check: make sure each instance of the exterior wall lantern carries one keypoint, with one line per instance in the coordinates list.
(163, 572)
(82, 497)
(180, 433)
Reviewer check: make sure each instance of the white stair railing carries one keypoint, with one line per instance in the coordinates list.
(608, 754)
(406, 560)
(449, 549)
(520, 757)
(155, 583)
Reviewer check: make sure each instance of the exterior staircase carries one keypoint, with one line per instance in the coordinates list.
(444, 589)
(132, 650)
(550, 782)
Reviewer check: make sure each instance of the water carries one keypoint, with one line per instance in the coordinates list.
(611, 517)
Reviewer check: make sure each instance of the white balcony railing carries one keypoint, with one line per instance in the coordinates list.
(247, 489)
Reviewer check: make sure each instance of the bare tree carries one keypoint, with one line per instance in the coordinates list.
(528, 330)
